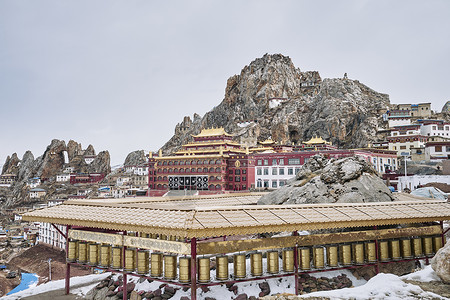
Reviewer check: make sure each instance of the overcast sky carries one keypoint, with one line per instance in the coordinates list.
(121, 74)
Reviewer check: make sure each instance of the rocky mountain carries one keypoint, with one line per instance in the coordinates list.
(273, 98)
(55, 159)
(135, 158)
(320, 180)
(446, 108)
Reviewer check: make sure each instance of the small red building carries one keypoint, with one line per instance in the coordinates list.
(86, 178)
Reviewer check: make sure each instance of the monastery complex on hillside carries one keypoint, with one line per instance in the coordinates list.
(214, 163)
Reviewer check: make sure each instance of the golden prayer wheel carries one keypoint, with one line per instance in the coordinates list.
(406, 247)
(332, 255)
(304, 254)
(428, 245)
(273, 266)
(163, 237)
(395, 249)
(358, 253)
(105, 255)
(130, 260)
(318, 257)
(73, 253)
(153, 235)
(170, 267)
(417, 247)
(204, 275)
(143, 263)
(222, 267)
(156, 264)
(93, 254)
(384, 250)
(256, 266)
(288, 260)
(371, 255)
(346, 254)
(185, 269)
(437, 241)
(82, 252)
(116, 262)
(240, 270)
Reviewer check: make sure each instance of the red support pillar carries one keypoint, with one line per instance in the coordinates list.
(125, 277)
(295, 233)
(67, 283)
(377, 265)
(193, 268)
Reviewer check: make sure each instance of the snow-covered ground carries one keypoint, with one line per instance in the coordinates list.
(80, 286)
(382, 286)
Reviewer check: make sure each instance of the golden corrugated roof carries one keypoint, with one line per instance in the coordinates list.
(212, 132)
(316, 140)
(210, 216)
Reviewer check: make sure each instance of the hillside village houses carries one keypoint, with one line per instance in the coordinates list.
(64, 177)
(411, 131)
(7, 179)
(33, 182)
(36, 193)
(69, 170)
(141, 170)
(89, 158)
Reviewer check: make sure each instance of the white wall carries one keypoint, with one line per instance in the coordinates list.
(412, 182)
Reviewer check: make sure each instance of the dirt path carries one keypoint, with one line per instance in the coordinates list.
(35, 260)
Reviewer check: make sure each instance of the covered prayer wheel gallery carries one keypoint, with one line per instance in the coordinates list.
(175, 240)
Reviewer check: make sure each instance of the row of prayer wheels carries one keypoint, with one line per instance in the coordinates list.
(171, 267)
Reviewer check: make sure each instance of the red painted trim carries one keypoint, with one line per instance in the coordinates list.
(67, 277)
(194, 269)
(125, 279)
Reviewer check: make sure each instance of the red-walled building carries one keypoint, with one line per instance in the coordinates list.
(86, 178)
(212, 163)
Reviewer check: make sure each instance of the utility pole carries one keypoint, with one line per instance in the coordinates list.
(49, 269)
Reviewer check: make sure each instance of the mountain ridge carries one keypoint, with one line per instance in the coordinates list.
(272, 98)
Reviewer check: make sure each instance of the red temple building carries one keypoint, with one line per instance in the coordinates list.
(212, 163)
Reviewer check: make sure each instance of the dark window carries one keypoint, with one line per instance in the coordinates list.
(237, 172)
(237, 178)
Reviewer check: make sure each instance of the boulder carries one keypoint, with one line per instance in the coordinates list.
(441, 263)
(345, 180)
(101, 293)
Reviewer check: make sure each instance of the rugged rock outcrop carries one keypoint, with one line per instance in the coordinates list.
(446, 107)
(56, 157)
(135, 158)
(441, 263)
(101, 163)
(11, 165)
(320, 180)
(270, 97)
